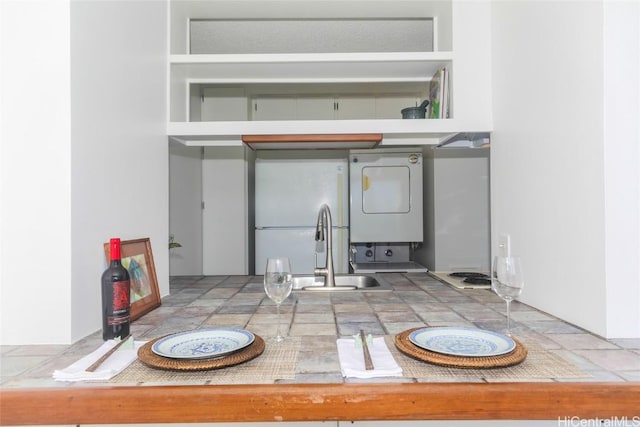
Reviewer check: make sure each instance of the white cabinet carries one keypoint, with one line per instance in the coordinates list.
(355, 107)
(341, 107)
(293, 108)
(222, 104)
(274, 108)
(315, 108)
(390, 107)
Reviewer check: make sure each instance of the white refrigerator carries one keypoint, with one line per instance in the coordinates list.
(288, 195)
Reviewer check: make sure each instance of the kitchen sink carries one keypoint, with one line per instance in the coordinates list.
(344, 282)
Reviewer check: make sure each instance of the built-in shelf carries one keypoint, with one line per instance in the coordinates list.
(291, 69)
(468, 64)
(320, 67)
(395, 132)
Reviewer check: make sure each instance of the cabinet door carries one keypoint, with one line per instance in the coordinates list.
(390, 107)
(223, 104)
(316, 108)
(274, 108)
(356, 107)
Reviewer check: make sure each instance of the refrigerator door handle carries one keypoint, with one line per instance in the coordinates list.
(340, 186)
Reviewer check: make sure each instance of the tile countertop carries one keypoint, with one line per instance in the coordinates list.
(315, 319)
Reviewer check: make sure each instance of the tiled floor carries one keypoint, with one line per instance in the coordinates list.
(318, 318)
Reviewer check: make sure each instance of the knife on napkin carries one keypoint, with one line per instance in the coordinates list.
(351, 358)
(368, 363)
(105, 356)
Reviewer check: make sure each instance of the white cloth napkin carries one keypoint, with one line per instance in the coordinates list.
(352, 359)
(111, 367)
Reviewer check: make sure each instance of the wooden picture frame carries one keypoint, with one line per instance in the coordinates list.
(137, 258)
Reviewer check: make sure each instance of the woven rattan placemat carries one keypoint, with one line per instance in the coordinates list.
(277, 362)
(540, 364)
(405, 345)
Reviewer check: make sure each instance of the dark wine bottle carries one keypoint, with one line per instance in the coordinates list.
(116, 296)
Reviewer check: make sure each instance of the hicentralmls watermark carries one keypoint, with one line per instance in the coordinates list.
(599, 422)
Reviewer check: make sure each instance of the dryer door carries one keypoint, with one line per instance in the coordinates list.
(385, 189)
(385, 196)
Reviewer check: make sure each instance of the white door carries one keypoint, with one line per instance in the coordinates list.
(385, 189)
(185, 212)
(386, 196)
(224, 214)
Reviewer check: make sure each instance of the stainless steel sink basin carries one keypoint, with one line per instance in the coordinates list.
(344, 282)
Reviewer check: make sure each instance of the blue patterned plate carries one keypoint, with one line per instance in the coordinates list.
(203, 343)
(466, 342)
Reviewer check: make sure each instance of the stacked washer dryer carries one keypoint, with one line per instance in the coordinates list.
(385, 209)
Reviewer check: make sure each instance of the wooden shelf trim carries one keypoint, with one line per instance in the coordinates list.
(315, 402)
(354, 137)
(312, 141)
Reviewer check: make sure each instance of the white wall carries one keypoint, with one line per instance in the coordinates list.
(35, 181)
(119, 144)
(553, 174)
(622, 165)
(638, 157)
(185, 211)
(546, 153)
(84, 156)
(471, 69)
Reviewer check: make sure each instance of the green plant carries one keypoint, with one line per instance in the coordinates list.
(173, 243)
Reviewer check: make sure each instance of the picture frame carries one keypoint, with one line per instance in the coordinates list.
(137, 258)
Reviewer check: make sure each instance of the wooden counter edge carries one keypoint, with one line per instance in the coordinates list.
(318, 402)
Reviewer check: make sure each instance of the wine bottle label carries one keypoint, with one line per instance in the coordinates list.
(121, 296)
(121, 303)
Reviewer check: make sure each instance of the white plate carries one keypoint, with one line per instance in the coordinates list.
(467, 342)
(203, 343)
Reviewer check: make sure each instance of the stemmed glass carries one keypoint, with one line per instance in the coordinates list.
(277, 284)
(507, 281)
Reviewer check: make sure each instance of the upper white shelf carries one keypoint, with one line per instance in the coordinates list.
(312, 67)
(395, 132)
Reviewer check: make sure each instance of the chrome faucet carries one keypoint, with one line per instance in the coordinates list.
(323, 232)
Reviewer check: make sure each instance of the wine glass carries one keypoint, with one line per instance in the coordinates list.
(277, 284)
(507, 281)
